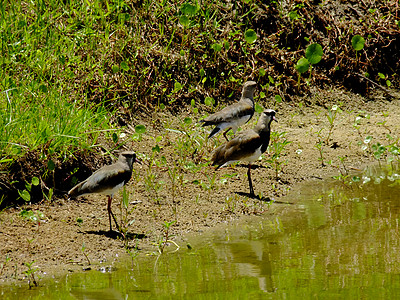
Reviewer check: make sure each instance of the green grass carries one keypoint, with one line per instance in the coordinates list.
(47, 121)
(68, 69)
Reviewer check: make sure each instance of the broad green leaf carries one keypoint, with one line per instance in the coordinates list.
(115, 69)
(124, 66)
(358, 42)
(293, 15)
(216, 47)
(278, 98)
(302, 65)
(177, 86)
(189, 9)
(209, 101)
(115, 137)
(184, 20)
(258, 108)
(140, 129)
(314, 53)
(250, 36)
(187, 121)
(35, 181)
(25, 195)
(51, 165)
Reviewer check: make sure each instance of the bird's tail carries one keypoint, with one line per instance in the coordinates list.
(75, 191)
(215, 131)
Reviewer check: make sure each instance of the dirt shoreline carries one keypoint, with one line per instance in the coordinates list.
(198, 200)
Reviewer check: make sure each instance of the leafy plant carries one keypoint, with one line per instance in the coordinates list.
(313, 56)
(139, 131)
(357, 42)
(33, 216)
(319, 146)
(332, 115)
(276, 149)
(126, 215)
(30, 273)
(166, 238)
(25, 194)
(250, 36)
(84, 253)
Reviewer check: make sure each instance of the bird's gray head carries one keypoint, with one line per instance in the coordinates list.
(267, 116)
(248, 89)
(129, 157)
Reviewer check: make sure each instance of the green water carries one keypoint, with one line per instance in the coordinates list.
(333, 243)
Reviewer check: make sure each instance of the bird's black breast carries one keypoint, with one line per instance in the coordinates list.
(265, 137)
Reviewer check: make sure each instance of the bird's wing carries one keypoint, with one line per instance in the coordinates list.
(229, 113)
(241, 146)
(103, 179)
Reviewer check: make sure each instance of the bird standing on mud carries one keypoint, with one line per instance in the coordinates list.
(107, 180)
(235, 115)
(247, 145)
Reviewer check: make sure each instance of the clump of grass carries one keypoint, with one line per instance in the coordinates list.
(49, 122)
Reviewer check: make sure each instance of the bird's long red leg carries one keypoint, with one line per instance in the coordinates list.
(250, 182)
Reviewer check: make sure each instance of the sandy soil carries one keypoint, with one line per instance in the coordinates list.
(61, 243)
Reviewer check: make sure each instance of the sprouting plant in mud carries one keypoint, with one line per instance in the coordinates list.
(33, 216)
(379, 151)
(166, 237)
(383, 123)
(84, 253)
(30, 273)
(4, 264)
(276, 150)
(191, 145)
(231, 203)
(319, 145)
(331, 116)
(152, 183)
(126, 216)
(133, 252)
(343, 175)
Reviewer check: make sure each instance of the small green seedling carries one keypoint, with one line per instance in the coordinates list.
(358, 43)
(166, 239)
(30, 274)
(139, 131)
(83, 251)
(313, 55)
(25, 194)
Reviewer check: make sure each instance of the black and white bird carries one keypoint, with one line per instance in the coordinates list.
(235, 115)
(108, 180)
(246, 146)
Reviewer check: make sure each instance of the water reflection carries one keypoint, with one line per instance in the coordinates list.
(337, 241)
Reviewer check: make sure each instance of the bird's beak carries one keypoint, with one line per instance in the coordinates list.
(273, 118)
(138, 161)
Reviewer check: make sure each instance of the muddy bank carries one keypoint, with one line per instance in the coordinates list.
(73, 233)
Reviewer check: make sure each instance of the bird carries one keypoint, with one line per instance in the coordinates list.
(107, 180)
(247, 145)
(235, 115)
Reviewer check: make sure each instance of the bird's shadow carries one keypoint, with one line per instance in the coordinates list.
(264, 199)
(253, 196)
(117, 235)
